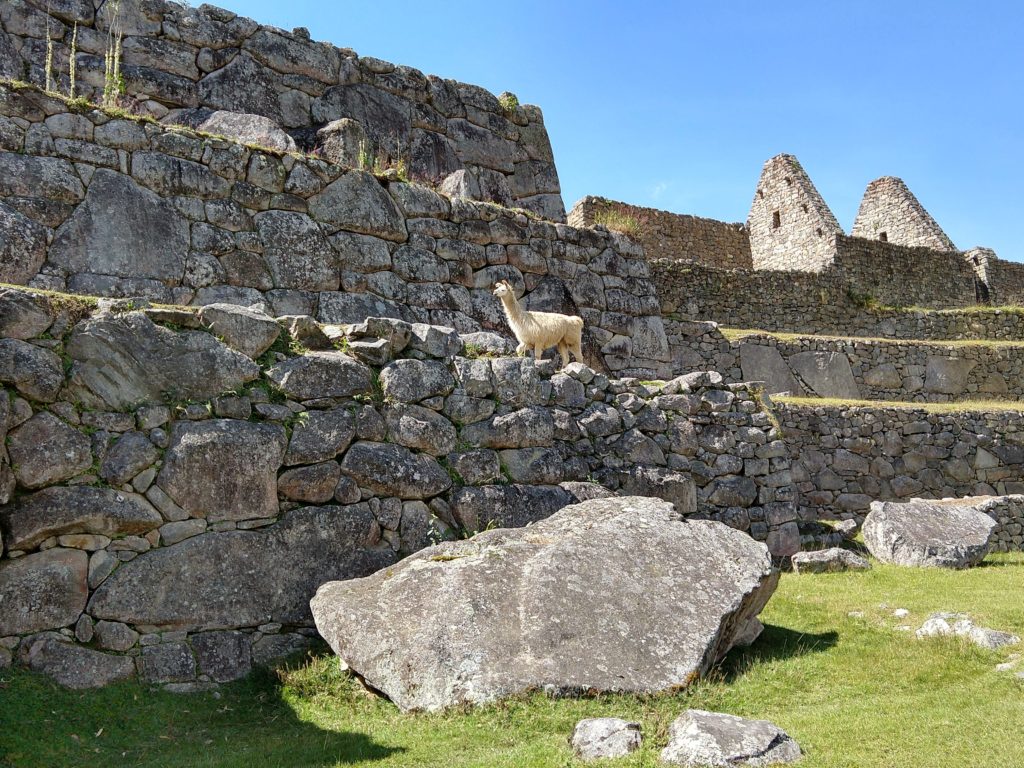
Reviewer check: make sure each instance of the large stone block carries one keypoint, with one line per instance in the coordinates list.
(357, 202)
(224, 469)
(22, 246)
(71, 665)
(44, 450)
(125, 230)
(80, 509)
(828, 374)
(46, 590)
(122, 361)
(391, 470)
(244, 578)
(35, 372)
(32, 176)
(243, 85)
(949, 533)
(321, 374)
(612, 595)
(386, 118)
(299, 255)
(761, 363)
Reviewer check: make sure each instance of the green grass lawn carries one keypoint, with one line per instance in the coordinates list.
(854, 691)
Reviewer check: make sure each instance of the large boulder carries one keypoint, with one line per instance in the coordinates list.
(827, 373)
(597, 738)
(948, 533)
(22, 246)
(71, 665)
(44, 450)
(321, 374)
(357, 202)
(703, 739)
(832, 560)
(247, 330)
(22, 315)
(614, 594)
(244, 578)
(37, 373)
(124, 360)
(79, 509)
(763, 363)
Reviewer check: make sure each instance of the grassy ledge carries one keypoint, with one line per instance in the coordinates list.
(963, 406)
(738, 334)
(853, 690)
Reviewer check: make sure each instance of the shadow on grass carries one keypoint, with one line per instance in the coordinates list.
(249, 723)
(775, 644)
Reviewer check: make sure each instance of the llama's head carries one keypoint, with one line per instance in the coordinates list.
(503, 288)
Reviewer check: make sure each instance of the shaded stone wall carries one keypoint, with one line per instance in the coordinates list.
(106, 206)
(1005, 281)
(843, 458)
(790, 225)
(175, 56)
(174, 484)
(673, 236)
(890, 212)
(852, 368)
(830, 301)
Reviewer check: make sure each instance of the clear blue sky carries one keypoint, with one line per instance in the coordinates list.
(676, 105)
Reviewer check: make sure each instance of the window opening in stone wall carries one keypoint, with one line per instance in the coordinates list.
(818, 232)
(789, 182)
(776, 220)
(803, 207)
(883, 236)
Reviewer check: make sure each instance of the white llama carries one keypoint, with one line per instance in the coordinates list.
(540, 330)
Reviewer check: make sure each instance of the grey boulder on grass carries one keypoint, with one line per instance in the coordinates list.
(614, 594)
(712, 739)
(948, 533)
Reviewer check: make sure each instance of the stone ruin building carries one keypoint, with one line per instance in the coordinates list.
(248, 319)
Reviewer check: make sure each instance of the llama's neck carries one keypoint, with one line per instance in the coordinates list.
(513, 311)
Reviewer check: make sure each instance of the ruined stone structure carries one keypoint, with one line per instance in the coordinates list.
(889, 212)
(180, 58)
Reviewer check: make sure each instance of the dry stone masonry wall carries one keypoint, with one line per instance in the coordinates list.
(672, 236)
(182, 63)
(175, 484)
(889, 212)
(853, 368)
(846, 457)
(106, 206)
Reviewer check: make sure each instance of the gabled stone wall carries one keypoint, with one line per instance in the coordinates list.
(106, 206)
(175, 485)
(889, 212)
(176, 56)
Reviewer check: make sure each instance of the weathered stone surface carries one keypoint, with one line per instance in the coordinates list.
(409, 381)
(168, 663)
(33, 176)
(358, 203)
(22, 315)
(385, 116)
(125, 360)
(342, 141)
(35, 372)
(947, 375)
(246, 128)
(506, 506)
(321, 374)
(320, 436)
(129, 455)
(72, 665)
(949, 533)
(243, 86)
(221, 579)
(246, 330)
(760, 363)
(702, 739)
(79, 509)
(605, 737)
(224, 469)
(44, 450)
(46, 590)
(22, 246)
(828, 374)
(444, 627)
(299, 255)
(831, 560)
(391, 470)
(662, 483)
(122, 229)
(959, 625)
(420, 428)
(224, 656)
(313, 483)
(114, 636)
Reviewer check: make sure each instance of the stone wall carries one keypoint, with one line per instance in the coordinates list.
(852, 368)
(790, 225)
(672, 236)
(824, 302)
(846, 457)
(178, 57)
(175, 484)
(106, 206)
(889, 212)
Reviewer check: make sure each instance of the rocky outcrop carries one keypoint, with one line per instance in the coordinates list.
(949, 533)
(447, 626)
(701, 739)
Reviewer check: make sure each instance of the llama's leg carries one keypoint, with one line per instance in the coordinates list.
(538, 352)
(563, 352)
(577, 350)
(521, 349)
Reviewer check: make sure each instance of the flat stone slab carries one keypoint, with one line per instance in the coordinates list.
(834, 560)
(702, 739)
(948, 533)
(74, 666)
(761, 363)
(46, 590)
(616, 594)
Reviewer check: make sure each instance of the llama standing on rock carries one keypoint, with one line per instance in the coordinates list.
(540, 330)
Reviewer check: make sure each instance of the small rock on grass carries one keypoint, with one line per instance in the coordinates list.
(605, 737)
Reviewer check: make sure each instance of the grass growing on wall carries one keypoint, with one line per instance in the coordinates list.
(853, 690)
(738, 334)
(962, 406)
